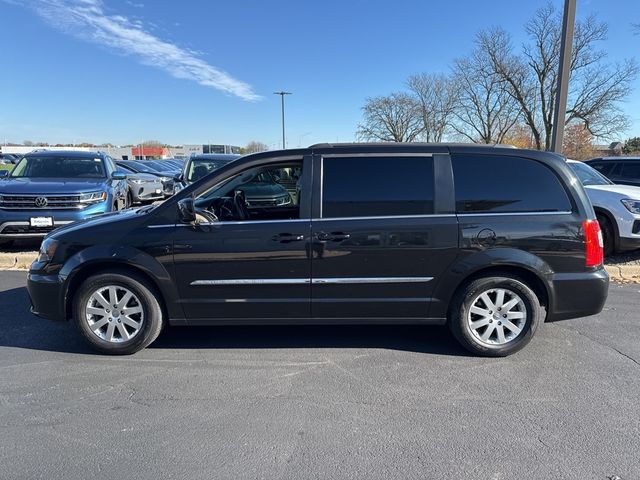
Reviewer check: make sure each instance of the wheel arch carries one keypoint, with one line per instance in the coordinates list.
(532, 279)
(100, 259)
(612, 220)
(512, 262)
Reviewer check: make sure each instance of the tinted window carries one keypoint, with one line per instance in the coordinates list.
(506, 184)
(377, 186)
(603, 167)
(631, 170)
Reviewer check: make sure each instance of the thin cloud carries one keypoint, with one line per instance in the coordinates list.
(87, 20)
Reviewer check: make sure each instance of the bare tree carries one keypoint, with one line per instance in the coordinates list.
(435, 99)
(578, 142)
(255, 146)
(485, 111)
(394, 118)
(595, 87)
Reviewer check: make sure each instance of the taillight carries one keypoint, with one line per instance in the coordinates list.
(594, 243)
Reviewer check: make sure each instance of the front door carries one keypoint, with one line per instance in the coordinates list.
(380, 237)
(249, 261)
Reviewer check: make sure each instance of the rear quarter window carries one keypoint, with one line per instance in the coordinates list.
(506, 184)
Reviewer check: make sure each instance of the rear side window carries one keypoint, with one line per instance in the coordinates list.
(631, 170)
(506, 184)
(604, 168)
(377, 186)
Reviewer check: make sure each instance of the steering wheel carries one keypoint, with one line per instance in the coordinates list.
(240, 205)
(209, 217)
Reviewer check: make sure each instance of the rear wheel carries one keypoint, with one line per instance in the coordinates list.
(495, 316)
(608, 235)
(117, 313)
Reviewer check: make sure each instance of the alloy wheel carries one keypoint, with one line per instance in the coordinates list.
(497, 316)
(114, 314)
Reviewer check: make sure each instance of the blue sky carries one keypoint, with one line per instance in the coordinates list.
(205, 71)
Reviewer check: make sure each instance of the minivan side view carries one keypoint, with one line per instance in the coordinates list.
(490, 241)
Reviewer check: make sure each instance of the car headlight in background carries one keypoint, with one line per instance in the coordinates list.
(632, 205)
(93, 197)
(165, 179)
(47, 250)
(140, 181)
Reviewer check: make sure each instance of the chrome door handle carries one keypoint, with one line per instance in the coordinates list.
(287, 237)
(333, 236)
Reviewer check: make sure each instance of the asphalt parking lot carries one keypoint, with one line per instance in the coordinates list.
(320, 402)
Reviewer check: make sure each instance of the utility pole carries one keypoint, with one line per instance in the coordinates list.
(282, 94)
(564, 69)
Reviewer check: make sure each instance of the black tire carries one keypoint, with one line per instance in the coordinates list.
(469, 294)
(151, 323)
(608, 235)
(129, 201)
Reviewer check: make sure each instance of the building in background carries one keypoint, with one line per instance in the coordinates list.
(135, 152)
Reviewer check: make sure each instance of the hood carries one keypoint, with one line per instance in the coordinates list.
(143, 176)
(103, 219)
(626, 191)
(50, 186)
(259, 189)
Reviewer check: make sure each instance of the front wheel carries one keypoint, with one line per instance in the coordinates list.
(495, 316)
(116, 313)
(608, 235)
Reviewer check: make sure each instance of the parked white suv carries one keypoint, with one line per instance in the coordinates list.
(617, 208)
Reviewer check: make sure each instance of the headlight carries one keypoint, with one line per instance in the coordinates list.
(93, 197)
(47, 250)
(283, 200)
(632, 205)
(138, 181)
(165, 179)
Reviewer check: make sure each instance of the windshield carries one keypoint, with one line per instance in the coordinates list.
(199, 168)
(43, 166)
(589, 176)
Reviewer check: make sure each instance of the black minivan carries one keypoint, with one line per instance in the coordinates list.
(491, 241)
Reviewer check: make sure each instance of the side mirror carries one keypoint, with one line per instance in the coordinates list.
(119, 176)
(187, 210)
(4, 173)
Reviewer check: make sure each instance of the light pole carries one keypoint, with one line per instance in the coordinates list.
(568, 22)
(282, 94)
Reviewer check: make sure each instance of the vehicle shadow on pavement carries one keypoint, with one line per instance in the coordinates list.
(20, 329)
(414, 338)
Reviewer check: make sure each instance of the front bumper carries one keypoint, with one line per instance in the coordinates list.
(47, 296)
(626, 244)
(145, 192)
(578, 294)
(16, 224)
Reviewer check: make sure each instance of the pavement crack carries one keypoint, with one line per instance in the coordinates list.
(628, 357)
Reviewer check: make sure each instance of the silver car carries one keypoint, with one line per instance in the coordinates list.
(143, 187)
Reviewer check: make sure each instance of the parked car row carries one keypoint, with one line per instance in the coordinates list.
(47, 189)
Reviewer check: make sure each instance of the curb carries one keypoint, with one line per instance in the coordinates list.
(622, 273)
(16, 260)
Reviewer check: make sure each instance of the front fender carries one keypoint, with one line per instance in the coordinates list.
(98, 257)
